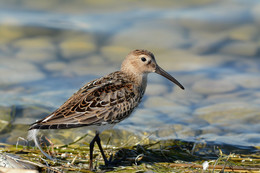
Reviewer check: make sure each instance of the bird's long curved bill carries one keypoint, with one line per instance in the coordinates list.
(160, 71)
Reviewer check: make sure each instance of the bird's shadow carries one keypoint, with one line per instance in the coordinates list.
(150, 154)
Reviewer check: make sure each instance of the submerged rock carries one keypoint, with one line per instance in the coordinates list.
(5, 117)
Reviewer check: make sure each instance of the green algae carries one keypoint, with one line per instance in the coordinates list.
(6, 116)
(157, 156)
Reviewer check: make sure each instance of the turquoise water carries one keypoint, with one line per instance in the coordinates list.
(48, 50)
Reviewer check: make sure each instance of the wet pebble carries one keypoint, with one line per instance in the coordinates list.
(89, 65)
(227, 112)
(39, 56)
(179, 60)
(248, 80)
(211, 42)
(37, 49)
(252, 66)
(175, 131)
(243, 95)
(209, 86)
(145, 32)
(9, 33)
(233, 138)
(5, 117)
(208, 18)
(246, 32)
(174, 111)
(212, 130)
(15, 71)
(74, 46)
(55, 66)
(115, 53)
(240, 48)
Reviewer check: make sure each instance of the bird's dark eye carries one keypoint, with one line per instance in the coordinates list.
(143, 59)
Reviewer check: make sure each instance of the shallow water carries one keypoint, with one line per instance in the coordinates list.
(49, 50)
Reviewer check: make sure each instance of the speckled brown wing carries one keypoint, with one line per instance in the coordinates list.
(107, 100)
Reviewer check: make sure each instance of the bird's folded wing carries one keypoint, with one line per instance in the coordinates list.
(108, 102)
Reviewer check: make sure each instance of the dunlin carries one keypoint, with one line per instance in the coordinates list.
(104, 102)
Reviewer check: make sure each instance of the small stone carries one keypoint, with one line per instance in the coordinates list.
(174, 111)
(247, 80)
(95, 60)
(224, 113)
(76, 46)
(210, 129)
(55, 66)
(34, 43)
(168, 37)
(14, 71)
(240, 48)
(210, 42)
(214, 18)
(8, 33)
(244, 33)
(83, 67)
(216, 86)
(37, 49)
(176, 60)
(242, 95)
(38, 56)
(115, 53)
(5, 117)
(174, 131)
(250, 66)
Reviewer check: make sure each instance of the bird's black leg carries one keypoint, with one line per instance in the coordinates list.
(101, 149)
(91, 147)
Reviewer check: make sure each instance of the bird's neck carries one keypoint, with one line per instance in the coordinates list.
(139, 79)
(141, 83)
(144, 81)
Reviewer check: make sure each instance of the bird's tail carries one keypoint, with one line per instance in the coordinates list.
(32, 135)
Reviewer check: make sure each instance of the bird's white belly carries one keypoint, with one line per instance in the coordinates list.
(100, 128)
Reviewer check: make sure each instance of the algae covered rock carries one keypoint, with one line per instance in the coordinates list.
(5, 117)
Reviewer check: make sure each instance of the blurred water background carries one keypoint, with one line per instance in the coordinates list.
(49, 49)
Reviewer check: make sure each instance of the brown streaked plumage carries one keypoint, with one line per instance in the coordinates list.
(102, 103)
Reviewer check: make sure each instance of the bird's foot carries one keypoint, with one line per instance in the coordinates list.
(111, 163)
